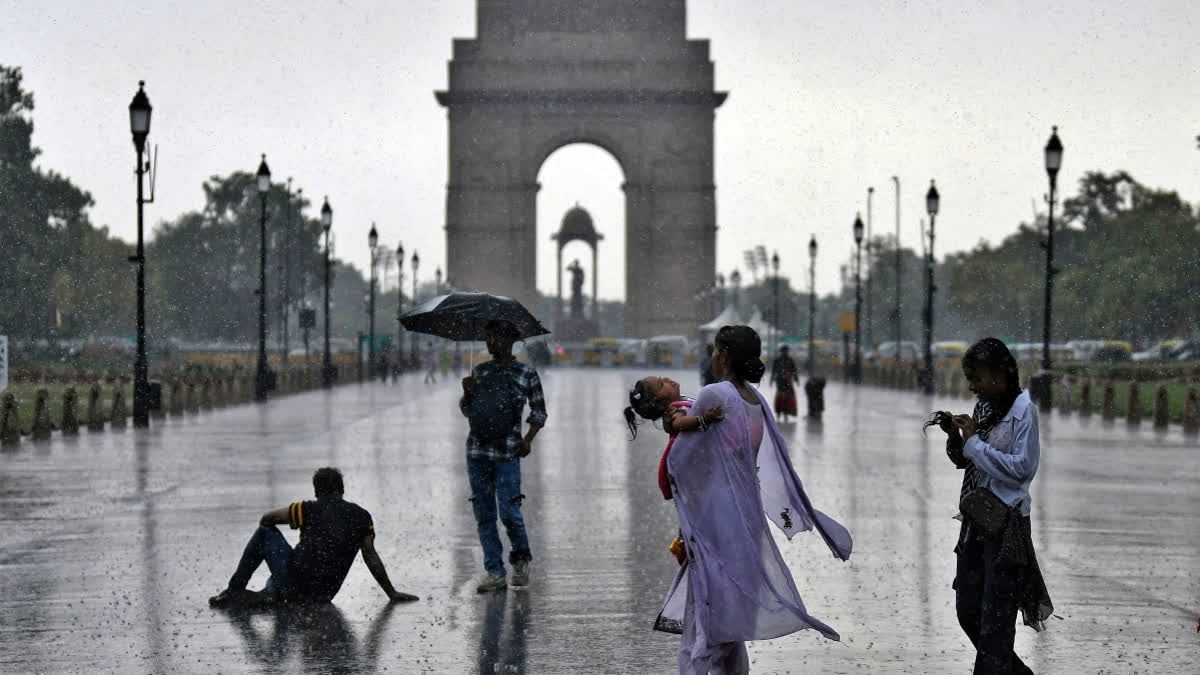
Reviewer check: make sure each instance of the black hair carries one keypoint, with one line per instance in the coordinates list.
(744, 348)
(327, 482)
(641, 404)
(992, 354)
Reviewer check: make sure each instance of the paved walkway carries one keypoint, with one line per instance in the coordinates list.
(111, 543)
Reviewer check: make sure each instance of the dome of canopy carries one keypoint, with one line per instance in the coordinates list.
(577, 225)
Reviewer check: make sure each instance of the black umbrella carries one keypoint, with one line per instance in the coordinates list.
(464, 316)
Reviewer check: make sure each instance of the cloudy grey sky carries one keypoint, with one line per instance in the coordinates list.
(826, 99)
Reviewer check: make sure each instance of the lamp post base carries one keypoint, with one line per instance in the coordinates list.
(328, 375)
(925, 380)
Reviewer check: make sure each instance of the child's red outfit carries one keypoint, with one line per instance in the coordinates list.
(664, 480)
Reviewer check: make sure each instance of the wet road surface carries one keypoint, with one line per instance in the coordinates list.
(110, 544)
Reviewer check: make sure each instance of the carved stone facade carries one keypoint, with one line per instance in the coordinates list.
(619, 74)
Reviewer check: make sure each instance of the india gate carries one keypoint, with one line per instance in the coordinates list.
(618, 74)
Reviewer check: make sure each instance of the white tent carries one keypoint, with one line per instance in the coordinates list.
(760, 326)
(728, 317)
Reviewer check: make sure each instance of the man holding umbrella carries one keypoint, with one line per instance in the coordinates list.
(493, 399)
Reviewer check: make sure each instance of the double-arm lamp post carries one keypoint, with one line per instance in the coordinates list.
(327, 371)
(262, 372)
(139, 125)
(931, 207)
(372, 242)
(858, 238)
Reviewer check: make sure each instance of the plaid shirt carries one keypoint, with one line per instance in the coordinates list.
(530, 386)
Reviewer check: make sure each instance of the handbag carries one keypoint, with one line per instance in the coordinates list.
(984, 509)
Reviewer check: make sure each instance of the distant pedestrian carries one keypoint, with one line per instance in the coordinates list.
(706, 373)
(431, 371)
(493, 400)
(728, 481)
(332, 532)
(998, 448)
(784, 377)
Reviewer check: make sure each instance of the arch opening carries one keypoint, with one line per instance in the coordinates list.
(583, 175)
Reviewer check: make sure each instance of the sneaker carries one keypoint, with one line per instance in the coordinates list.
(229, 598)
(520, 573)
(492, 582)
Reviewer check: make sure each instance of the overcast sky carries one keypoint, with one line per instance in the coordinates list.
(826, 99)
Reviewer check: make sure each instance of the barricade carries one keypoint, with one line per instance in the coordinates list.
(95, 412)
(1085, 398)
(10, 420)
(191, 404)
(40, 431)
(206, 402)
(70, 412)
(1064, 401)
(118, 418)
(1162, 413)
(1133, 404)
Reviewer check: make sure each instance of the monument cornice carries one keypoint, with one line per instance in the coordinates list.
(456, 97)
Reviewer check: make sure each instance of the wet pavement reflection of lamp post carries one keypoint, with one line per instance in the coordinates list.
(139, 125)
(261, 373)
(858, 238)
(931, 207)
(372, 243)
(327, 360)
(399, 303)
(416, 260)
(812, 299)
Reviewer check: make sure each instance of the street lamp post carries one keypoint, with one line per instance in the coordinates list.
(1054, 152)
(284, 273)
(139, 126)
(327, 360)
(899, 332)
(858, 238)
(931, 207)
(870, 270)
(775, 300)
(812, 300)
(372, 242)
(399, 302)
(261, 373)
(416, 260)
(735, 280)
(437, 281)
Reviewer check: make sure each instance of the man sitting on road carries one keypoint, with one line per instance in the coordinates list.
(494, 397)
(332, 531)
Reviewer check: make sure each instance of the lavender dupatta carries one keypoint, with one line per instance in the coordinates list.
(740, 587)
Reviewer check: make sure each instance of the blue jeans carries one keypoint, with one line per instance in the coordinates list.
(498, 483)
(267, 544)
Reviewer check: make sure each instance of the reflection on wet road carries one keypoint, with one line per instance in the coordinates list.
(111, 543)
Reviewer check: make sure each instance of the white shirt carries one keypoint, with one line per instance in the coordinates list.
(1009, 459)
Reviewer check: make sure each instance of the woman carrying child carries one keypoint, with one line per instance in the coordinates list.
(728, 477)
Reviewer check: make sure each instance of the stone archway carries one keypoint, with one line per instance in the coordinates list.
(618, 74)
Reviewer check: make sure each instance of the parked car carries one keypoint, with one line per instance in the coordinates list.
(1112, 353)
(1158, 352)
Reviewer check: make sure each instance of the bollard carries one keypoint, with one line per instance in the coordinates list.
(175, 406)
(1191, 412)
(1085, 398)
(10, 420)
(1162, 413)
(206, 402)
(117, 420)
(70, 412)
(1133, 404)
(218, 395)
(1108, 409)
(95, 413)
(41, 416)
(190, 402)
